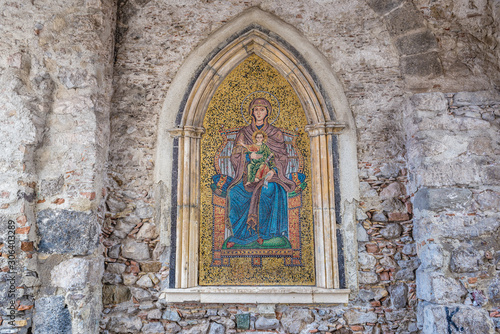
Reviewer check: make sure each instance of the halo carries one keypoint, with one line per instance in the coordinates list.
(260, 91)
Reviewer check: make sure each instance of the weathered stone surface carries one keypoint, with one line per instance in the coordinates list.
(121, 324)
(416, 43)
(368, 277)
(383, 6)
(141, 294)
(404, 19)
(129, 279)
(216, 328)
(405, 274)
(74, 273)
(366, 261)
(171, 314)
(465, 261)
(67, 232)
(114, 252)
(52, 186)
(394, 206)
(115, 294)
(409, 249)
(476, 98)
(147, 231)
(456, 227)
(399, 295)
(116, 268)
(52, 316)
(494, 291)
(73, 77)
(153, 328)
(391, 231)
(422, 65)
(388, 262)
(145, 282)
(143, 210)
(355, 317)
(366, 295)
(439, 319)
(295, 320)
(450, 199)
(489, 200)
(396, 315)
(437, 288)
(172, 327)
(435, 102)
(151, 266)
(154, 314)
(362, 235)
(379, 217)
(111, 278)
(392, 190)
(263, 323)
(134, 250)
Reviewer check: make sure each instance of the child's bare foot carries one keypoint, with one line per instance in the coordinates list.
(260, 241)
(230, 244)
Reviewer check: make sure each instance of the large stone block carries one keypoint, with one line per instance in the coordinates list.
(438, 319)
(419, 42)
(383, 6)
(437, 288)
(428, 102)
(449, 199)
(76, 273)
(422, 65)
(51, 316)
(431, 256)
(455, 227)
(465, 261)
(476, 98)
(67, 232)
(404, 19)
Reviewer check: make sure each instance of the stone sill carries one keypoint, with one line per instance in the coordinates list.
(257, 295)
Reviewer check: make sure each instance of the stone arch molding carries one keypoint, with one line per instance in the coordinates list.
(330, 127)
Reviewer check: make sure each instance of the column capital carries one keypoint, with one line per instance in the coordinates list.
(187, 131)
(325, 128)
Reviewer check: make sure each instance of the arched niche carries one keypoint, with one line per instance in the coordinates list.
(333, 158)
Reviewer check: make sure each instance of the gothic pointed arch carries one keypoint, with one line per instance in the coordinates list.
(330, 128)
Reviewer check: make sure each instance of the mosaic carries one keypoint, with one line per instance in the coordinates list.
(256, 226)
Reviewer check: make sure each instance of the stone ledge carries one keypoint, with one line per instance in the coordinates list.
(250, 295)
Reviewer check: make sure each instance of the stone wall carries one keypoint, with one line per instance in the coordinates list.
(454, 175)
(55, 65)
(428, 164)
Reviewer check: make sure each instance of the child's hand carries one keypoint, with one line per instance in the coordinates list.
(255, 156)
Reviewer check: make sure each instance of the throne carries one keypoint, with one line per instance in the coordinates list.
(292, 251)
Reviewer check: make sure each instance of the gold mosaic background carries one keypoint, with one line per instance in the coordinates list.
(254, 74)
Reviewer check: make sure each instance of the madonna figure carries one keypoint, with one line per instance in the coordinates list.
(258, 206)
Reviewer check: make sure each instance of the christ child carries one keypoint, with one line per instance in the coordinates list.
(259, 167)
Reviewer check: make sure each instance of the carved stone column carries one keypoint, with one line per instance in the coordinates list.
(324, 202)
(188, 205)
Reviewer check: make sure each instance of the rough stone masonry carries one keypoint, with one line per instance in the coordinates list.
(82, 85)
